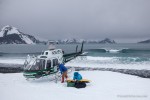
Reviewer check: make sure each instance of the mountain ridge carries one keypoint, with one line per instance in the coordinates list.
(73, 40)
(145, 41)
(12, 35)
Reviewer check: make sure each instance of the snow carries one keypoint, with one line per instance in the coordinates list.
(104, 86)
(12, 30)
(27, 39)
(12, 61)
(1, 34)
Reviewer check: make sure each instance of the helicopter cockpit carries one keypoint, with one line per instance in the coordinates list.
(44, 64)
(37, 64)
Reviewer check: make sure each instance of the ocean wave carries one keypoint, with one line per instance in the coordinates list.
(113, 51)
(134, 50)
(111, 62)
(124, 50)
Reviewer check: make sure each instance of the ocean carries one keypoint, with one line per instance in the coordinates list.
(121, 55)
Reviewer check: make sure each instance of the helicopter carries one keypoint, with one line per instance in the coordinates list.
(48, 62)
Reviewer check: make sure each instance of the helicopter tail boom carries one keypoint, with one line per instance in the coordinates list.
(68, 57)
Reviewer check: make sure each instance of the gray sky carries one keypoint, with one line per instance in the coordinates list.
(121, 20)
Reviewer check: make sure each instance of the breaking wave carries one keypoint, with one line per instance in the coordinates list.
(119, 50)
(111, 62)
(124, 60)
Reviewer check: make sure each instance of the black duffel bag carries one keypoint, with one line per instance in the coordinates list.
(80, 84)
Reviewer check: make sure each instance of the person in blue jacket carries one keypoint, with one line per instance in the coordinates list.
(77, 76)
(63, 71)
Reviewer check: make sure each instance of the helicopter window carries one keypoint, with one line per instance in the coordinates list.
(48, 66)
(46, 53)
(43, 57)
(39, 64)
(55, 62)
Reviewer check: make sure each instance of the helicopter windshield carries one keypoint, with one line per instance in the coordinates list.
(37, 64)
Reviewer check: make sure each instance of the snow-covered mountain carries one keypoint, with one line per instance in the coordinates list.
(73, 41)
(11, 35)
(70, 41)
(107, 40)
(146, 41)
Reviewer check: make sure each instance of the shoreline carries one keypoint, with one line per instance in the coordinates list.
(140, 73)
(18, 68)
(11, 68)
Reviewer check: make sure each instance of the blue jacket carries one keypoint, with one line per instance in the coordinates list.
(62, 68)
(77, 76)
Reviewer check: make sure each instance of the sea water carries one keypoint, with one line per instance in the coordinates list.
(121, 55)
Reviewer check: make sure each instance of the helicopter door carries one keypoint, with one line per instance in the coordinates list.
(48, 65)
(55, 65)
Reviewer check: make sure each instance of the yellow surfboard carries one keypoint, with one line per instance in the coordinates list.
(83, 80)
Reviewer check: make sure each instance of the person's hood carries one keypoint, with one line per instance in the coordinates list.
(76, 73)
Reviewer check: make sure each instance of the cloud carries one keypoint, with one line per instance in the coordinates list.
(55, 19)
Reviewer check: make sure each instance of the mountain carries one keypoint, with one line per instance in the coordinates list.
(11, 35)
(70, 41)
(74, 41)
(107, 40)
(146, 41)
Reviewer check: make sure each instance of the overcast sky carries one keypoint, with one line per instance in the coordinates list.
(121, 20)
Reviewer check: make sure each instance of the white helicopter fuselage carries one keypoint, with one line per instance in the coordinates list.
(52, 54)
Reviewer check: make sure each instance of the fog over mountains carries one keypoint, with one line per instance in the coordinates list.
(12, 35)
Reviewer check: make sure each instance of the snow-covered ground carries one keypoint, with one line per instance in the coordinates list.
(12, 61)
(104, 86)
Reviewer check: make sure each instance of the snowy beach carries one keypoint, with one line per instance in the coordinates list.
(104, 85)
(114, 76)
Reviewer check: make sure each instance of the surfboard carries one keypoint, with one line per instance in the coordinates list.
(83, 80)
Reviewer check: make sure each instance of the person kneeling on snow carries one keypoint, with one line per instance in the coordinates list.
(77, 76)
(78, 84)
(63, 71)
